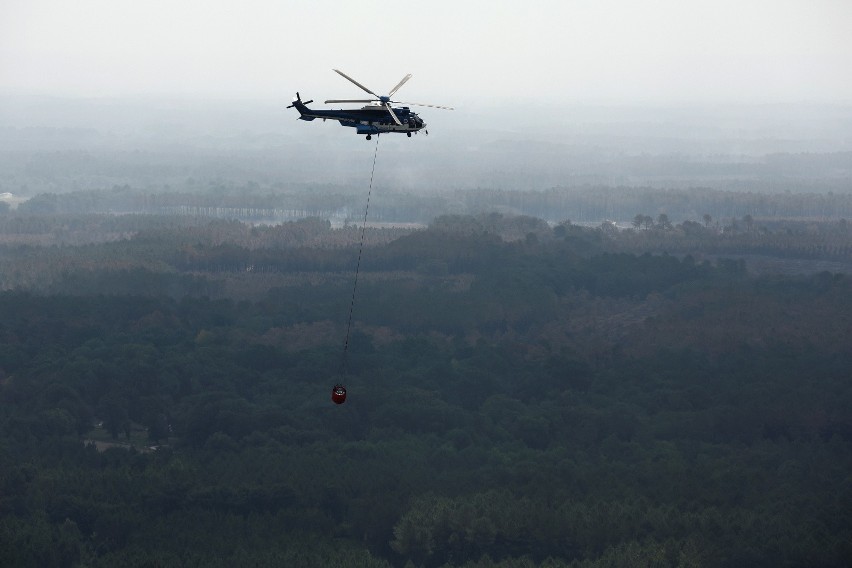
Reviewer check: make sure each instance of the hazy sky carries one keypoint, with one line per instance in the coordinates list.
(458, 51)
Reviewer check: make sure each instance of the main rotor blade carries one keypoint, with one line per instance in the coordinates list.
(400, 84)
(350, 101)
(422, 105)
(345, 76)
(393, 114)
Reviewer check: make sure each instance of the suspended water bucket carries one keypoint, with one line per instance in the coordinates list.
(338, 394)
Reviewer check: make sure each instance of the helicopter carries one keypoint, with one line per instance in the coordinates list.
(375, 118)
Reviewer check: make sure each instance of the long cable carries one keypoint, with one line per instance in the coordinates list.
(344, 363)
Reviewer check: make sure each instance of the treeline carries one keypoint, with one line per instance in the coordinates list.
(827, 241)
(536, 401)
(587, 203)
(226, 258)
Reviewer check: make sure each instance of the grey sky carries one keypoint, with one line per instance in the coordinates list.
(458, 51)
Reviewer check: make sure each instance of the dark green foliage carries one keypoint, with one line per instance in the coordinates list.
(540, 402)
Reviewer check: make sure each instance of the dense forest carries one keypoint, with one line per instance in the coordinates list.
(521, 394)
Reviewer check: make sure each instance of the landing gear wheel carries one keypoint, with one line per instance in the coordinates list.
(408, 134)
(369, 137)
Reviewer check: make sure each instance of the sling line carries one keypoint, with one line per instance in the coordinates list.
(345, 362)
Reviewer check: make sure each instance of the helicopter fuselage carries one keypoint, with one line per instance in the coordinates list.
(370, 119)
